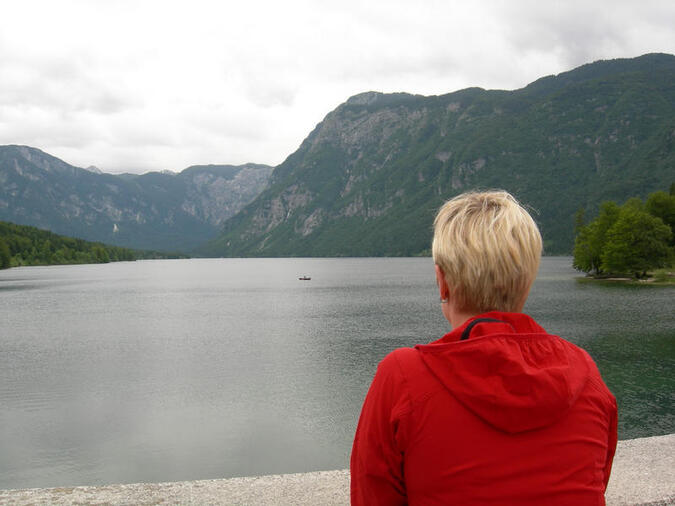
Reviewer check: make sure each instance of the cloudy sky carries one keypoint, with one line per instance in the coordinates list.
(133, 85)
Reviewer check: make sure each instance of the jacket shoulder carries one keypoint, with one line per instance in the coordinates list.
(402, 361)
(408, 365)
(594, 379)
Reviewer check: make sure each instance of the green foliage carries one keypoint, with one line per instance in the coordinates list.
(592, 238)
(662, 205)
(101, 255)
(630, 239)
(5, 255)
(636, 243)
(23, 245)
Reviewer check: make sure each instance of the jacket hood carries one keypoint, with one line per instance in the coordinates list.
(512, 373)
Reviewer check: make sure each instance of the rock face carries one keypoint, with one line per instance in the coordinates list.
(163, 211)
(369, 178)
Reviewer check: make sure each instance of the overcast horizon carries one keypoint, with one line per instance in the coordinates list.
(138, 86)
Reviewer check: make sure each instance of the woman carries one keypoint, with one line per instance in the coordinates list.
(497, 411)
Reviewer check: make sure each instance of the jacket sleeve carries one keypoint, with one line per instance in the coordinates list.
(376, 465)
(611, 440)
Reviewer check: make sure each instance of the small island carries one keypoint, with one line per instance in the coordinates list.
(632, 243)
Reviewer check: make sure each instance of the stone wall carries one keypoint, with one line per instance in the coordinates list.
(643, 474)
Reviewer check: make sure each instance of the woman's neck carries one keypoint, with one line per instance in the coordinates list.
(457, 318)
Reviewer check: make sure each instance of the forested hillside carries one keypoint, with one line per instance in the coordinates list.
(24, 245)
(370, 177)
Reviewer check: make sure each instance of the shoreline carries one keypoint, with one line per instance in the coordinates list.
(643, 474)
(627, 281)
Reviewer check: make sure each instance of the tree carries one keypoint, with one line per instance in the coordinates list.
(5, 255)
(586, 259)
(591, 239)
(636, 242)
(662, 205)
(101, 255)
(635, 203)
(45, 252)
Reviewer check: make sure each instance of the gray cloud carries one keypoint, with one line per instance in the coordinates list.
(578, 32)
(153, 84)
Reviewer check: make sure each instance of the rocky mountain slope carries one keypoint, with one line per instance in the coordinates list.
(156, 210)
(369, 178)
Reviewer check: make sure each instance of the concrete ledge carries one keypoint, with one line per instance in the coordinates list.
(643, 474)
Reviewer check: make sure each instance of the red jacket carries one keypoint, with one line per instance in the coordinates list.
(510, 416)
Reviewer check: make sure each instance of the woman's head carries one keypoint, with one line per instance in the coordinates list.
(489, 249)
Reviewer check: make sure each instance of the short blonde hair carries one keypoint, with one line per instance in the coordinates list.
(489, 249)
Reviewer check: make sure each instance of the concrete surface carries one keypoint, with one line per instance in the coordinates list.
(643, 474)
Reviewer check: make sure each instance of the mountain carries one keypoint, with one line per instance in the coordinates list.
(157, 210)
(370, 177)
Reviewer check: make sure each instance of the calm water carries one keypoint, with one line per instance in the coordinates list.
(192, 369)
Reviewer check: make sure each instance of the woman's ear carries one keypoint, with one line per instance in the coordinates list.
(443, 289)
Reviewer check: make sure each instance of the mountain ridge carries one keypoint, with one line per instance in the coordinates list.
(369, 177)
(155, 210)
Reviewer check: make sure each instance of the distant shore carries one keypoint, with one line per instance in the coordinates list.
(661, 278)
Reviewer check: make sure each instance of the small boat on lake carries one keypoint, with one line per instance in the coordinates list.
(304, 278)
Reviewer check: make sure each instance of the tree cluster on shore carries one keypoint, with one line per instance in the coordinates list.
(630, 239)
(24, 245)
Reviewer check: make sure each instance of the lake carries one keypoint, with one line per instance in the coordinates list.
(210, 368)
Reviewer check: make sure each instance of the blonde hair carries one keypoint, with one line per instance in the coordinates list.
(489, 249)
